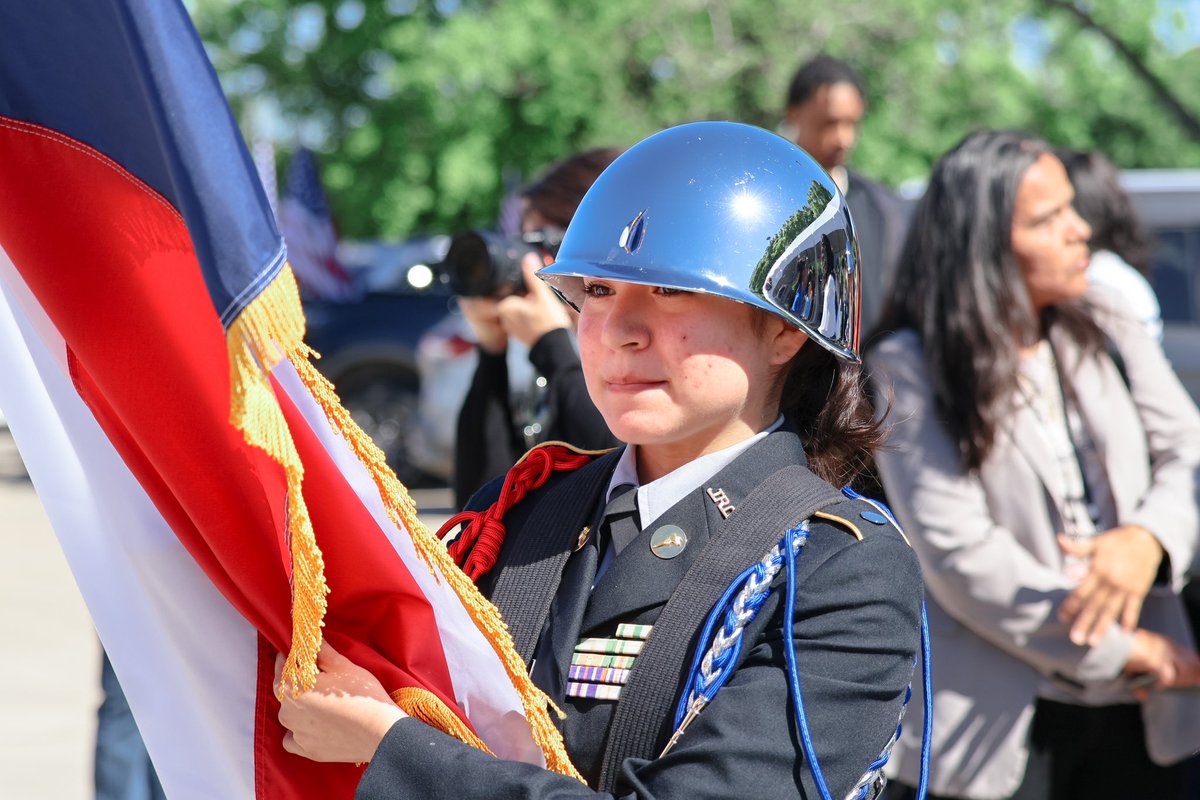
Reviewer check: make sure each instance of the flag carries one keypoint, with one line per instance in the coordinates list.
(509, 221)
(262, 150)
(308, 230)
(214, 501)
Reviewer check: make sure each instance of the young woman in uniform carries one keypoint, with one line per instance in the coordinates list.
(716, 276)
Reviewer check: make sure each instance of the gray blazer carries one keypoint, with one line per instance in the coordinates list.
(987, 546)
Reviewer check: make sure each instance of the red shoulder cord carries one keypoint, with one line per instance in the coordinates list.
(478, 546)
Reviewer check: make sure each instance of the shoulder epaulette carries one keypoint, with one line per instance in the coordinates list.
(552, 446)
(858, 515)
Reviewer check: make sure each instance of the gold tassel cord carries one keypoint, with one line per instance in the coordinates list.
(426, 706)
(269, 328)
(403, 513)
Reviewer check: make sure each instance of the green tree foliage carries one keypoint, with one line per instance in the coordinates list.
(793, 229)
(425, 111)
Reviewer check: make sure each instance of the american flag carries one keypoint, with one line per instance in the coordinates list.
(216, 504)
(307, 227)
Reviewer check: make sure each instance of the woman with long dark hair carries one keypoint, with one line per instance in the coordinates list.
(742, 407)
(1053, 507)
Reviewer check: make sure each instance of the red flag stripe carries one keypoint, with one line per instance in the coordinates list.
(155, 353)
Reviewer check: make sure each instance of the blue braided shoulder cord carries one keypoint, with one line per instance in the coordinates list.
(789, 654)
(712, 668)
(926, 669)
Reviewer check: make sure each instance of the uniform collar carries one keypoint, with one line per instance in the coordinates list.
(656, 497)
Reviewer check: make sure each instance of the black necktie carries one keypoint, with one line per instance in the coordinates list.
(620, 526)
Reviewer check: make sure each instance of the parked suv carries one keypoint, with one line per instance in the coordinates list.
(1168, 202)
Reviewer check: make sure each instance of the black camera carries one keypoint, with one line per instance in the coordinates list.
(482, 263)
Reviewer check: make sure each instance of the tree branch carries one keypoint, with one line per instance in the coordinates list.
(1186, 119)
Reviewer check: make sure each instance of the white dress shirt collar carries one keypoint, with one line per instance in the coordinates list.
(656, 497)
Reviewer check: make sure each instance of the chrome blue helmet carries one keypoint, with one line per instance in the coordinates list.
(725, 209)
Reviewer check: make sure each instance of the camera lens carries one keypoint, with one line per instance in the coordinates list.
(469, 266)
(482, 263)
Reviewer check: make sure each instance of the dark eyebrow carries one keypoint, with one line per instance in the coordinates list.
(1058, 209)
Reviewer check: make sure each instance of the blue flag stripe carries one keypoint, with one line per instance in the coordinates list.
(131, 79)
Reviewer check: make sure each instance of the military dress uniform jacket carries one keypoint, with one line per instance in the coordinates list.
(993, 566)
(881, 220)
(857, 617)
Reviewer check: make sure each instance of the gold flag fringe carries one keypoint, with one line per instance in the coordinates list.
(429, 708)
(269, 328)
(402, 511)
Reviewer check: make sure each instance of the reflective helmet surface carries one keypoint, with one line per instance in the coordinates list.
(724, 209)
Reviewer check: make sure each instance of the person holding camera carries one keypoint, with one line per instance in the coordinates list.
(503, 301)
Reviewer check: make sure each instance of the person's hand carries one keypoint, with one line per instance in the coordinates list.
(484, 317)
(343, 718)
(1124, 563)
(1174, 665)
(531, 316)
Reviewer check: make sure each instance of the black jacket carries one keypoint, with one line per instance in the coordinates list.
(489, 441)
(856, 632)
(881, 220)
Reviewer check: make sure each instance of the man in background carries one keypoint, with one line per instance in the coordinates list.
(826, 102)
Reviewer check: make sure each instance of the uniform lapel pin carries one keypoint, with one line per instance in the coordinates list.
(668, 541)
(584, 535)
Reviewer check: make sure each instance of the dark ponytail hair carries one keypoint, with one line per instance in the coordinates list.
(1107, 207)
(827, 399)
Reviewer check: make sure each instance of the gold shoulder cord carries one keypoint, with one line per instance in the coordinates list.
(845, 523)
(851, 527)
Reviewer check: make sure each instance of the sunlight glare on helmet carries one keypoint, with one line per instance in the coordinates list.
(718, 278)
(746, 206)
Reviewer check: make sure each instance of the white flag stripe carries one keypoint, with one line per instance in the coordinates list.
(481, 687)
(187, 660)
